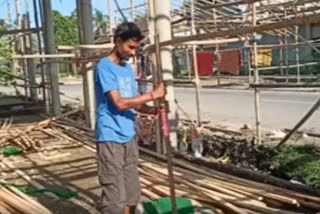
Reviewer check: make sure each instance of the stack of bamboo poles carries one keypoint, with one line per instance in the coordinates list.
(220, 191)
(20, 136)
(229, 194)
(12, 201)
(206, 187)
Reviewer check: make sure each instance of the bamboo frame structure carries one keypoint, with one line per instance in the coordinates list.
(225, 25)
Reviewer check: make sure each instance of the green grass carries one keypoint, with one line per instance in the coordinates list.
(301, 163)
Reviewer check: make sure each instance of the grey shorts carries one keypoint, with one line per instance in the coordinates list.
(118, 176)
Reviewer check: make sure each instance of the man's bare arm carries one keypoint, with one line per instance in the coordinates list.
(145, 109)
(124, 104)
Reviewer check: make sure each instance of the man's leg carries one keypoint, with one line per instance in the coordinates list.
(131, 176)
(111, 178)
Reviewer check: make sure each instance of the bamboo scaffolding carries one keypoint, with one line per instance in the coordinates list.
(246, 30)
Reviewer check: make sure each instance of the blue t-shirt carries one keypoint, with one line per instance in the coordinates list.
(113, 125)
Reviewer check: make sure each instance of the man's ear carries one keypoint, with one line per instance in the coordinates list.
(118, 41)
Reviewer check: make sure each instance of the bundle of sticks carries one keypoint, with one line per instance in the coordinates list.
(13, 201)
(21, 135)
(207, 187)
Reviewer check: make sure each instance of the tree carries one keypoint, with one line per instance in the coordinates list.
(101, 23)
(5, 61)
(66, 29)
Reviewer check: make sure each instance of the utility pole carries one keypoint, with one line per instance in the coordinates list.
(163, 27)
(50, 44)
(88, 77)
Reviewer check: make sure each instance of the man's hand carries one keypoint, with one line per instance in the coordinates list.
(160, 91)
(145, 109)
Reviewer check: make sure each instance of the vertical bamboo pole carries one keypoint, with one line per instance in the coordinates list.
(154, 73)
(110, 11)
(21, 47)
(188, 62)
(297, 50)
(88, 76)
(256, 77)
(281, 56)
(132, 10)
(185, 14)
(166, 129)
(29, 50)
(36, 19)
(286, 49)
(248, 58)
(195, 66)
(51, 49)
(24, 61)
(217, 45)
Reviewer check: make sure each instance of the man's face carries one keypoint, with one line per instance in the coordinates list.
(126, 49)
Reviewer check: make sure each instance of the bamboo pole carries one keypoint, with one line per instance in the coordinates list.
(156, 103)
(285, 85)
(36, 19)
(281, 56)
(300, 123)
(195, 66)
(217, 45)
(315, 18)
(297, 52)
(165, 130)
(256, 77)
(19, 31)
(44, 56)
(235, 3)
(289, 66)
(50, 44)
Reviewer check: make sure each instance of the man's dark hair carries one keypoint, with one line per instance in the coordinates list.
(127, 31)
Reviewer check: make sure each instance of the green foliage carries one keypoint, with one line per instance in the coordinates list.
(5, 52)
(101, 23)
(6, 55)
(301, 163)
(5, 61)
(66, 29)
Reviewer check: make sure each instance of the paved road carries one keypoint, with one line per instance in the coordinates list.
(236, 107)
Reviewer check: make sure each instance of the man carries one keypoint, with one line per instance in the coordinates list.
(117, 102)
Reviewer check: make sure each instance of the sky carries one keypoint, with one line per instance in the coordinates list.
(63, 6)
